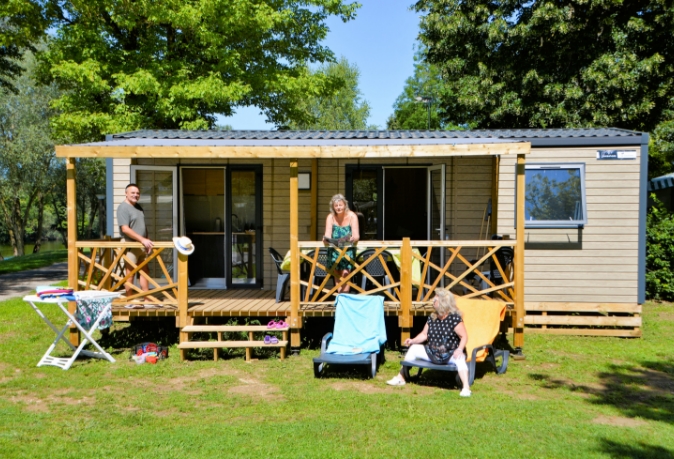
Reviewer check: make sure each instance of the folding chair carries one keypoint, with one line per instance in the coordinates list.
(482, 319)
(62, 303)
(283, 277)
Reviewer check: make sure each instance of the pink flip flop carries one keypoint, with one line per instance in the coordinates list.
(272, 324)
(281, 324)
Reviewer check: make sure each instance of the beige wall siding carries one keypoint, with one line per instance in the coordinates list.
(597, 263)
(121, 173)
(468, 188)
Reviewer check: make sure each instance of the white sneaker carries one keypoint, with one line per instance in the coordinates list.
(465, 392)
(396, 381)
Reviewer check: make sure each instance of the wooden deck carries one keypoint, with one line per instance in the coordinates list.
(243, 303)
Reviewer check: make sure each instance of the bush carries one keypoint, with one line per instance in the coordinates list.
(660, 253)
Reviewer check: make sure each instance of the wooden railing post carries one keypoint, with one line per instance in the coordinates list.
(73, 263)
(182, 299)
(106, 261)
(518, 325)
(405, 319)
(295, 319)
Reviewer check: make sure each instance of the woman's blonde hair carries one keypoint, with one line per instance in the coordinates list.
(335, 198)
(446, 303)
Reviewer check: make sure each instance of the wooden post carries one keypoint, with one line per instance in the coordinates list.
(182, 300)
(295, 319)
(518, 324)
(494, 194)
(73, 265)
(314, 200)
(405, 319)
(106, 261)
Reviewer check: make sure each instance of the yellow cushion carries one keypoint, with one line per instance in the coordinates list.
(482, 319)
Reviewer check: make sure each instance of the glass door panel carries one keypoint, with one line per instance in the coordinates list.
(203, 222)
(245, 223)
(365, 201)
(158, 199)
(436, 214)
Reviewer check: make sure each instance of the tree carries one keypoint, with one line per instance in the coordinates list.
(22, 23)
(176, 64)
(421, 95)
(26, 154)
(570, 63)
(342, 109)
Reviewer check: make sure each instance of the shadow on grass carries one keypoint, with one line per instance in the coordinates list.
(631, 451)
(645, 390)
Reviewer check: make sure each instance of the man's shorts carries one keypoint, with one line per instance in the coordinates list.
(136, 255)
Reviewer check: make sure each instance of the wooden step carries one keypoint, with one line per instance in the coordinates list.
(232, 344)
(230, 328)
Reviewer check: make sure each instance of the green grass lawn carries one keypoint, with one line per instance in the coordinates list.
(33, 261)
(572, 397)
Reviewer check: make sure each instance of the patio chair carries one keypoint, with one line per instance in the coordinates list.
(358, 337)
(283, 277)
(375, 268)
(319, 273)
(482, 319)
(505, 256)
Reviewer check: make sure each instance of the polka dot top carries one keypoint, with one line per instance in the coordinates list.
(440, 331)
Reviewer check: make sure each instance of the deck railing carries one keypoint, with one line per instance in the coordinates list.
(102, 265)
(470, 269)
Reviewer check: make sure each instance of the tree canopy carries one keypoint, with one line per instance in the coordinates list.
(176, 64)
(22, 23)
(342, 109)
(569, 63)
(421, 95)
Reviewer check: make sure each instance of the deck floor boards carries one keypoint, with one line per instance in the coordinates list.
(241, 303)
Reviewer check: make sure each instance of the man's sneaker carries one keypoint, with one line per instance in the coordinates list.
(465, 392)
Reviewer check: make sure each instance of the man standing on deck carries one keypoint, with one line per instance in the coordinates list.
(131, 220)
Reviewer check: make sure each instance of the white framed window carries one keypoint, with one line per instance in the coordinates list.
(555, 195)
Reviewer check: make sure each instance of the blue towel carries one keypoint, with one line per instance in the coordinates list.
(359, 325)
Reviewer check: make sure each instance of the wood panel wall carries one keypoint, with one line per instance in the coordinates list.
(596, 264)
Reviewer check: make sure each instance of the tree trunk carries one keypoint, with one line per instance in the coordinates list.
(17, 227)
(40, 221)
(93, 210)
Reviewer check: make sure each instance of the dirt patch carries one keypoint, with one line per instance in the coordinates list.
(32, 404)
(362, 387)
(519, 395)
(619, 421)
(255, 388)
(548, 366)
(666, 316)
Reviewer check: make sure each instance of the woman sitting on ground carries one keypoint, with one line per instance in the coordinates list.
(446, 334)
(341, 225)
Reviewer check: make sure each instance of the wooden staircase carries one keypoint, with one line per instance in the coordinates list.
(221, 344)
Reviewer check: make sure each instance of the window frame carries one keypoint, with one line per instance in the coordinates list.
(529, 224)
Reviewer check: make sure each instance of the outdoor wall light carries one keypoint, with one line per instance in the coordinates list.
(304, 180)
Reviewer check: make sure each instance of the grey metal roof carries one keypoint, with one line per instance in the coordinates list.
(511, 134)
(537, 137)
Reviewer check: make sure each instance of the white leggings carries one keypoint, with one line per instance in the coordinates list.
(417, 351)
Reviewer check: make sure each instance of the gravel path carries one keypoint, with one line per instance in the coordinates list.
(20, 284)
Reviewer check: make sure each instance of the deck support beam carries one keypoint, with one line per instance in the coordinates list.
(71, 197)
(405, 319)
(295, 320)
(518, 322)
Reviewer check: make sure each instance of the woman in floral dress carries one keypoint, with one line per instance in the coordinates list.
(342, 225)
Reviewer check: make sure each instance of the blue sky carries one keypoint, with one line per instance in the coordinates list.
(380, 41)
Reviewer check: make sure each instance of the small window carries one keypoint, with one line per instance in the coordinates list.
(555, 195)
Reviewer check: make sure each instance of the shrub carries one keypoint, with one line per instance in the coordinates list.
(660, 253)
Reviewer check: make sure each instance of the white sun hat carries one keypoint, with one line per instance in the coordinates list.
(184, 245)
